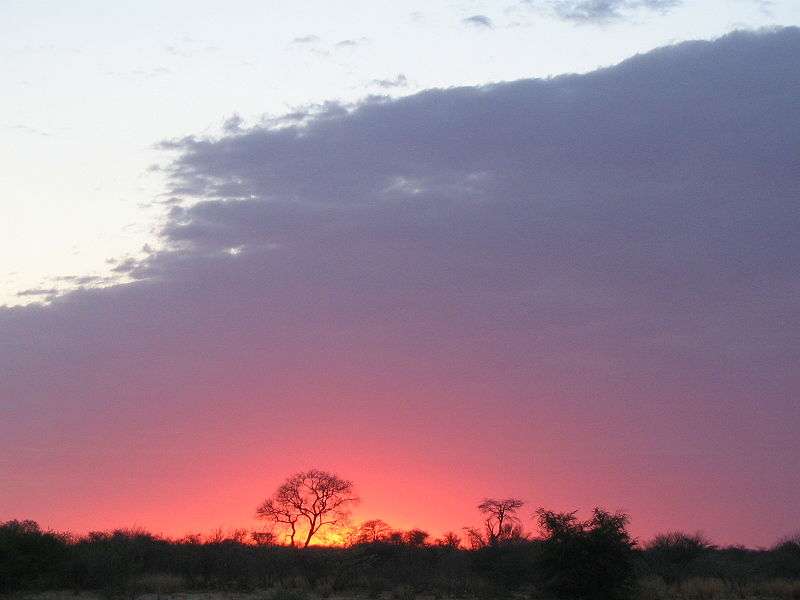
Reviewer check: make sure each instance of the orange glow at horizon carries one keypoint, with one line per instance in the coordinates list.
(404, 472)
(431, 502)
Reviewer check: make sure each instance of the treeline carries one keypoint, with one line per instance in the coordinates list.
(593, 559)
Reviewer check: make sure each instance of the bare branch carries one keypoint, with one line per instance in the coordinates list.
(317, 497)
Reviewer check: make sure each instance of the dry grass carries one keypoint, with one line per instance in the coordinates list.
(162, 587)
(709, 588)
(160, 583)
(777, 588)
(703, 588)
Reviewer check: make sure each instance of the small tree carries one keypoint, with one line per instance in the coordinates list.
(263, 538)
(307, 502)
(394, 537)
(449, 540)
(791, 541)
(415, 537)
(374, 530)
(501, 523)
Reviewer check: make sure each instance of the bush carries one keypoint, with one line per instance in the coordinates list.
(507, 565)
(675, 555)
(30, 559)
(590, 560)
(575, 559)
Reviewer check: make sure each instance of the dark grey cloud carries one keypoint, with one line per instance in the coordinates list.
(586, 253)
(479, 21)
(603, 11)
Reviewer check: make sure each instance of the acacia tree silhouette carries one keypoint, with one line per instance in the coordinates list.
(374, 530)
(500, 524)
(310, 499)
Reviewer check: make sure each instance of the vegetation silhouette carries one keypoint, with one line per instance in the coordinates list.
(586, 559)
(308, 500)
(501, 523)
(590, 559)
(373, 531)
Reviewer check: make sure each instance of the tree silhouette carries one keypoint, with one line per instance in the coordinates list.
(374, 530)
(500, 524)
(415, 537)
(449, 540)
(308, 501)
(263, 538)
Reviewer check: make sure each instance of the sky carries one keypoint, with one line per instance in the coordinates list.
(543, 249)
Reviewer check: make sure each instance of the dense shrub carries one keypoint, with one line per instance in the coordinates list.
(30, 558)
(508, 565)
(577, 559)
(676, 555)
(586, 559)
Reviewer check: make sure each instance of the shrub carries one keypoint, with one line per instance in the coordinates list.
(30, 559)
(506, 565)
(674, 555)
(590, 560)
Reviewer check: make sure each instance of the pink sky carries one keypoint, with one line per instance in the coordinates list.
(580, 291)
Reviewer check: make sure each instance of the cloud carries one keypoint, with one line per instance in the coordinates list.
(233, 124)
(188, 47)
(29, 130)
(479, 21)
(351, 43)
(610, 255)
(765, 6)
(400, 81)
(83, 280)
(603, 11)
(38, 292)
(306, 39)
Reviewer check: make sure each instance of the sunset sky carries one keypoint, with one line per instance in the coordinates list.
(448, 250)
